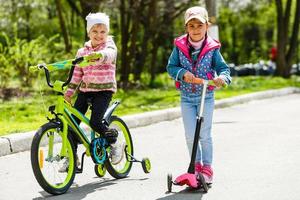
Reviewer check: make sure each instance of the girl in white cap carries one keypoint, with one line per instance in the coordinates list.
(96, 82)
(197, 55)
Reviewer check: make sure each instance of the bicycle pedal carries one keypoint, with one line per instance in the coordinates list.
(78, 170)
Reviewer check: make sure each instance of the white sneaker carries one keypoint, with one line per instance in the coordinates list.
(117, 152)
(65, 166)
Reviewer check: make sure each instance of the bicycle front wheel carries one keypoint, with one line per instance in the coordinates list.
(124, 141)
(47, 162)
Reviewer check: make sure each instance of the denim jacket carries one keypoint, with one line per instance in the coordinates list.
(209, 64)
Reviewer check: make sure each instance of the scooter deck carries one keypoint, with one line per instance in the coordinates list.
(198, 183)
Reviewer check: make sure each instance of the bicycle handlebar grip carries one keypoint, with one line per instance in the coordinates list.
(94, 56)
(37, 67)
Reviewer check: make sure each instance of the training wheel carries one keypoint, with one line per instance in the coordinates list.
(146, 165)
(100, 170)
(170, 183)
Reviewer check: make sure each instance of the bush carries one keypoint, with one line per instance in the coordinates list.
(5, 72)
(19, 55)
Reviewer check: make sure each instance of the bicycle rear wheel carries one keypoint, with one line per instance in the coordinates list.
(122, 169)
(46, 159)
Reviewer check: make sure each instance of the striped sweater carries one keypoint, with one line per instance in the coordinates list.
(99, 76)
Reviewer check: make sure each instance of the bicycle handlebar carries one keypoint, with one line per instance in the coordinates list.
(76, 61)
(82, 61)
(44, 66)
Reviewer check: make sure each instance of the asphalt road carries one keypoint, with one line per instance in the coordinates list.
(256, 156)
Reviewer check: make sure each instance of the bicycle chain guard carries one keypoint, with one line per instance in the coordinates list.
(98, 150)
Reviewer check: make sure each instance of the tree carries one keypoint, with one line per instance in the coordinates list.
(245, 35)
(85, 8)
(68, 45)
(211, 6)
(286, 48)
(147, 32)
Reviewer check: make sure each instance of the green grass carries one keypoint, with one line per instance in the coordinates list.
(28, 113)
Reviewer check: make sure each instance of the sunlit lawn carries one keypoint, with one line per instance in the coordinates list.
(28, 113)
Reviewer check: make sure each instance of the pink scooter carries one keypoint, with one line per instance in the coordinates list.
(190, 178)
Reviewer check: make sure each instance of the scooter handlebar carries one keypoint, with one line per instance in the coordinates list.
(200, 81)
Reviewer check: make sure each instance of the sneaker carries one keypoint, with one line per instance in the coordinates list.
(117, 152)
(65, 166)
(207, 173)
(198, 168)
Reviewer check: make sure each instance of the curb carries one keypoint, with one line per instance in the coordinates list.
(14, 143)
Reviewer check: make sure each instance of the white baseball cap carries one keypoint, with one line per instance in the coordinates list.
(96, 18)
(196, 12)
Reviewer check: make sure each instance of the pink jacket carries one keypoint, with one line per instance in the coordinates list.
(210, 44)
(99, 76)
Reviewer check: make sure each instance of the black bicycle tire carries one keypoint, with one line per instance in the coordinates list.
(108, 165)
(35, 162)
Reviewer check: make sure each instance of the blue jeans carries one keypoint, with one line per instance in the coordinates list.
(190, 106)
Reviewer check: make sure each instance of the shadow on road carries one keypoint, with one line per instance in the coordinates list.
(225, 122)
(186, 194)
(77, 192)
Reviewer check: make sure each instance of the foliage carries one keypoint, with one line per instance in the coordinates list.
(20, 54)
(143, 30)
(5, 72)
(246, 35)
(144, 33)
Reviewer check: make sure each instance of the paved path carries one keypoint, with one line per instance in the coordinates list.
(257, 156)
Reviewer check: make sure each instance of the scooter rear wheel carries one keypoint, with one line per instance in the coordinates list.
(202, 183)
(170, 183)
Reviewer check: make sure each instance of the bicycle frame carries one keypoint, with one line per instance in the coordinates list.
(64, 112)
(56, 136)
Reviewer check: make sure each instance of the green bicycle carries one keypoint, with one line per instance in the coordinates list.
(52, 144)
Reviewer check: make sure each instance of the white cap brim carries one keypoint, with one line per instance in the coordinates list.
(199, 17)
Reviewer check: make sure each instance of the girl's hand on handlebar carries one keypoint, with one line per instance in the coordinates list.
(198, 81)
(188, 77)
(96, 56)
(219, 82)
(67, 98)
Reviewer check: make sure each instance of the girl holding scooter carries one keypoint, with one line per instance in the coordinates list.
(196, 57)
